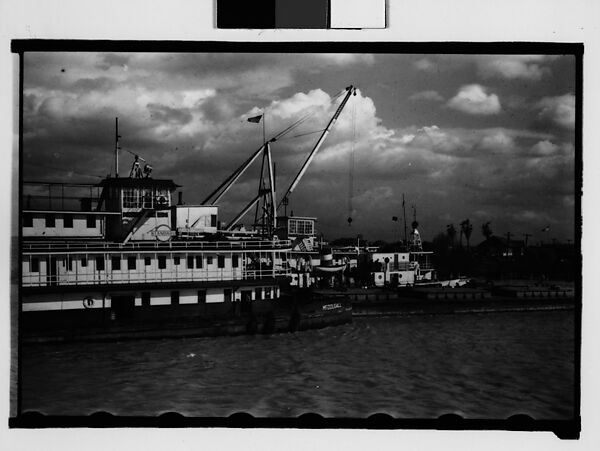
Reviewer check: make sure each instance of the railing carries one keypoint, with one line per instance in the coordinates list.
(155, 245)
(159, 276)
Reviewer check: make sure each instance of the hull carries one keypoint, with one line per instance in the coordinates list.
(122, 319)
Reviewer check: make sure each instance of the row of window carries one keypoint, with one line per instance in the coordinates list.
(201, 299)
(301, 227)
(145, 198)
(50, 220)
(192, 261)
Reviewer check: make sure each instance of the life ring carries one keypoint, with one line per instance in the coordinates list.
(161, 201)
(88, 302)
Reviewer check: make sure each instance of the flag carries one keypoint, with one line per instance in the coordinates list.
(255, 119)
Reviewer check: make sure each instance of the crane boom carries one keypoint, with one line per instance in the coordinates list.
(350, 90)
(232, 178)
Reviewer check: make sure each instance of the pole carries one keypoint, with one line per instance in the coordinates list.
(404, 214)
(272, 186)
(117, 147)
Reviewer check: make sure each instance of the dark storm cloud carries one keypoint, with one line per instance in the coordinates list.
(164, 113)
(504, 153)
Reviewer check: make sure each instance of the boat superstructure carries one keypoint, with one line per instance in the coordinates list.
(129, 253)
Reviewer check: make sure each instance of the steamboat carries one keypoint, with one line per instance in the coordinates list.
(122, 259)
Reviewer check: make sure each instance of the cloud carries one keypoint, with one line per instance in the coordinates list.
(560, 110)
(543, 148)
(430, 95)
(497, 141)
(186, 115)
(473, 99)
(511, 67)
(425, 65)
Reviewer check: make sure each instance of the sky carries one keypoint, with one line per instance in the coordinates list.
(489, 138)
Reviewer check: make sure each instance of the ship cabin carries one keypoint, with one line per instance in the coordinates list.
(124, 237)
(301, 232)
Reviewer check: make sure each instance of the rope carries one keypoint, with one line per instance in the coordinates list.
(304, 118)
(301, 134)
(351, 166)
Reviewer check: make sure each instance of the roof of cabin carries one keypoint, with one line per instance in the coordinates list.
(129, 182)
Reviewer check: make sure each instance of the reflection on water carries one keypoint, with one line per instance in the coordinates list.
(478, 366)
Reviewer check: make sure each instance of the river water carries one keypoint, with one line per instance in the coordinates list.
(475, 365)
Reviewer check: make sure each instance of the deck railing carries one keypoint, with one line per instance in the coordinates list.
(158, 246)
(156, 276)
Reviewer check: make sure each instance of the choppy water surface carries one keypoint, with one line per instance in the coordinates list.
(479, 366)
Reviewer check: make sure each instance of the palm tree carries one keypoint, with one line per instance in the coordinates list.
(486, 230)
(466, 228)
(451, 232)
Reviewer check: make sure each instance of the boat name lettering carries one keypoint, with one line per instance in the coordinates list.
(332, 306)
(163, 232)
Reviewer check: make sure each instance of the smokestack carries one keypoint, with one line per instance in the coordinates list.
(180, 198)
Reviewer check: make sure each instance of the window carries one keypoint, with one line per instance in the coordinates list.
(221, 261)
(268, 293)
(301, 227)
(35, 265)
(83, 262)
(131, 263)
(131, 198)
(258, 294)
(50, 221)
(176, 261)
(213, 220)
(235, 261)
(174, 297)
(227, 294)
(147, 198)
(145, 298)
(91, 221)
(115, 263)
(100, 263)
(147, 261)
(27, 220)
(201, 296)
(162, 198)
(162, 262)
(190, 262)
(209, 260)
(198, 261)
(68, 221)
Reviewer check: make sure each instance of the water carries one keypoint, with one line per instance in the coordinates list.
(478, 366)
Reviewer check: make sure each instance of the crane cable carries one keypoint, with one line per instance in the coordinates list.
(351, 167)
(303, 119)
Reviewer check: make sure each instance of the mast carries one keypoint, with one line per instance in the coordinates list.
(272, 189)
(117, 136)
(350, 90)
(404, 215)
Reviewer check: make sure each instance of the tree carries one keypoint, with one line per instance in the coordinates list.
(466, 228)
(451, 232)
(486, 230)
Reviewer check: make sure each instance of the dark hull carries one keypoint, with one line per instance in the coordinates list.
(382, 302)
(194, 320)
